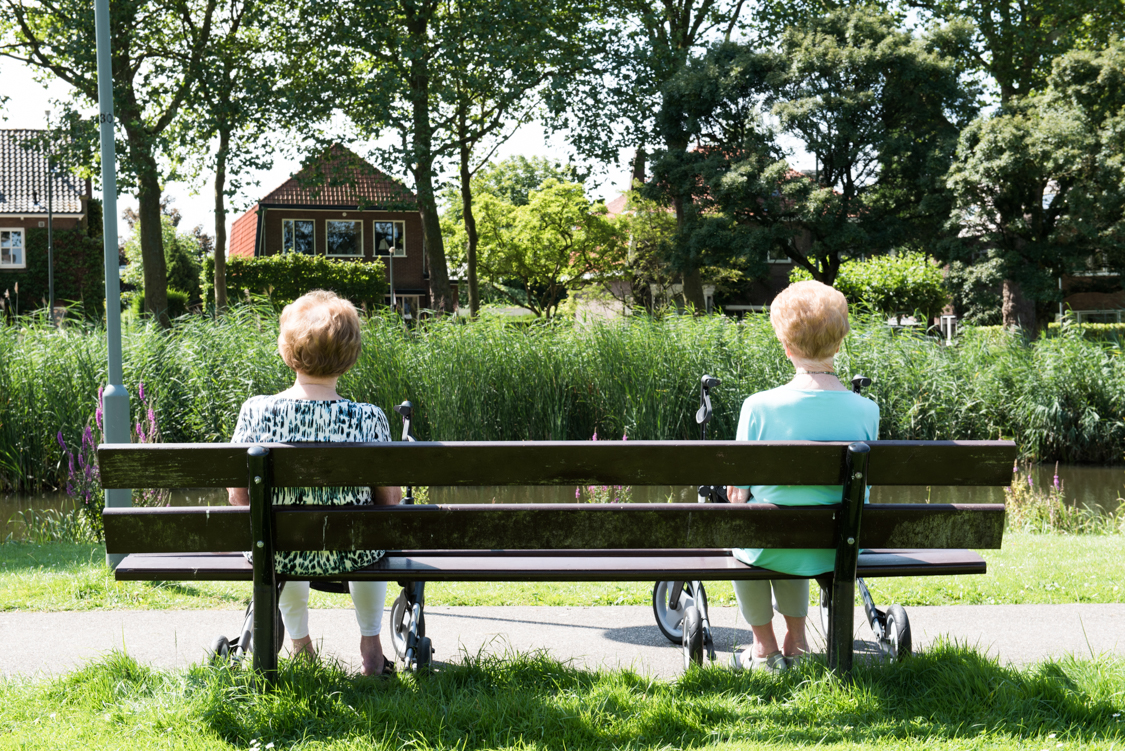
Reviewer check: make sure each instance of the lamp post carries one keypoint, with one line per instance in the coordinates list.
(50, 223)
(115, 399)
(385, 247)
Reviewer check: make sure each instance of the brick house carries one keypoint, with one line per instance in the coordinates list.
(24, 193)
(340, 206)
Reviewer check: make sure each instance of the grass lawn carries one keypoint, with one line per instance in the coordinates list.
(948, 698)
(1030, 569)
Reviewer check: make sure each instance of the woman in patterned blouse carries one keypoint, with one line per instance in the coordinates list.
(320, 340)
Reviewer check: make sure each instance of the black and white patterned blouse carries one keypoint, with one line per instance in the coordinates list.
(278, 419)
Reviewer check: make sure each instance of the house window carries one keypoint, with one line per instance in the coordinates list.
(344, 238)
(776, 255)
(390, 238)
(11, 249)
(1098, 316)
(298, 236)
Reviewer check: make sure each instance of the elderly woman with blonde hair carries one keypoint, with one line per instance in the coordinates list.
(810, 319)
(320, 341)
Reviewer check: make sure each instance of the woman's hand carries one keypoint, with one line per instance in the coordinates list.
(737, 495)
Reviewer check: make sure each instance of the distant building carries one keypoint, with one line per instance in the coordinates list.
(340, 206)
(24, 196)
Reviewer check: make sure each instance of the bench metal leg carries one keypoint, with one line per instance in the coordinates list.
(265, 580)
(841, 613)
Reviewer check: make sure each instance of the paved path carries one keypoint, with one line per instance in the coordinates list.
(43, 644)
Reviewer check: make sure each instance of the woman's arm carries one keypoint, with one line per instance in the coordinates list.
(238, 496)
(386, 496)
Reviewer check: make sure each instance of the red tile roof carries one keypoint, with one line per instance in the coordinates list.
(340, 177)
(243, 233)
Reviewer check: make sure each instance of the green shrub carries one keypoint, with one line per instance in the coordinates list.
(181, 258)
(904, 284)
(79, 272)
(1105, 331)
(284, 278)
(177, 303)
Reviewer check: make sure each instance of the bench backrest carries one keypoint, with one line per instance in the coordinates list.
(555, 526)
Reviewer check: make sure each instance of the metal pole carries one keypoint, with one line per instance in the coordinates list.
(50, 223)
(115, 400)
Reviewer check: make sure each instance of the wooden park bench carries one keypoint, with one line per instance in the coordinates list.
(555, 542)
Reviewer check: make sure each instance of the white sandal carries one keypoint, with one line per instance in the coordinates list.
(774, 662)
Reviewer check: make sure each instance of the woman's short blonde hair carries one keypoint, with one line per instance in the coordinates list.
(319, 334)
(811, 319)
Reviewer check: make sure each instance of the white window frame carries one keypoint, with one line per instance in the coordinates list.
(1080, 316)
(398, 252)
(23, 247)
(359, 241)
(290, 222)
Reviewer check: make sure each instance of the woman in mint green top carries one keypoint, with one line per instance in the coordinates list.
(811, 320)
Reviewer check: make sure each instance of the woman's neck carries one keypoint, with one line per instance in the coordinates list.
(317, 388)
(815, 375)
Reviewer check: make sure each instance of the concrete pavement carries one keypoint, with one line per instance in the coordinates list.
(47, 644)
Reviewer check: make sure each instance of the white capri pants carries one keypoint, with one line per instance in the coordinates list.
(790, 597)
(367, 596)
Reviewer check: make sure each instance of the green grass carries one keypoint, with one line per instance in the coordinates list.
(947, 698)
(1030, 569)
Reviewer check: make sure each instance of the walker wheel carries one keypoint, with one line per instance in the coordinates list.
(670, 617)
(398, 628)
(896, 644)
(693, 638)
(424, 652)
(220, 649)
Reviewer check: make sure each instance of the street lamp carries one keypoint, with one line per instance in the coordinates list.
(115, 399)
(50, 223)
(385, 248)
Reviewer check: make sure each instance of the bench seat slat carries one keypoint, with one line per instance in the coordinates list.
(171, 465)
(579, 565)
(552, 527)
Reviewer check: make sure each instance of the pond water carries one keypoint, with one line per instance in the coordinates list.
(1091, 487)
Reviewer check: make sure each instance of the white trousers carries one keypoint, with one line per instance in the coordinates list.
(368, 598)
(789, 597)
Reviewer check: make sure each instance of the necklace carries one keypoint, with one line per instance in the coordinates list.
(802, 371)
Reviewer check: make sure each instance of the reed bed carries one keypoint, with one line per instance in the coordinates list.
(1061, 398)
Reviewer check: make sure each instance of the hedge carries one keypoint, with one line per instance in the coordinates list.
(284, 278)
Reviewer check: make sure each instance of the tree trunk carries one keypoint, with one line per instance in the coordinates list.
(432, 243)
(691, 279)
(152, 238)
(1019, 310)
(470, 229)
(638, 175)
(221, 222)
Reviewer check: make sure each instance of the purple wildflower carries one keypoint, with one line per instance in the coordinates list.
(62, 443)
(595, 435)
(1057, 484)
(98, 417)
(578, 494)
(141, 390)
(1030, 482)
(140, 430)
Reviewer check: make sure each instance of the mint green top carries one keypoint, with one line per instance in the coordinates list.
(789, 414)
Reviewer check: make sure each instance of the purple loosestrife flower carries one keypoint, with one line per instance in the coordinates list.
(1030, 482)
(141, 391)
(1057, 484)
(140, 431)
(62, 443)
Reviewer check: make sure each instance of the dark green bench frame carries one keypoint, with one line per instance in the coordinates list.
(555, 542)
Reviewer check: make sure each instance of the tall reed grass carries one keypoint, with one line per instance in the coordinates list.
(1061, 398)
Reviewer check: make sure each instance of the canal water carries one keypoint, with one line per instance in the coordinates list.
(1090, 487)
